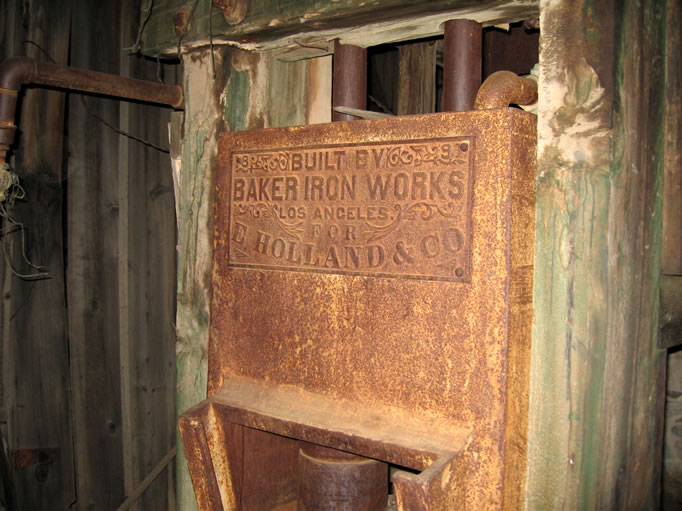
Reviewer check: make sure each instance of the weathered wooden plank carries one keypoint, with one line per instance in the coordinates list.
(671, 255)
(671, 311)
(36, 367)
(92, 270)
(249, 90)
(513, 50)
(193, 178)
(595, 361)
(147, 280)
(417, 75)
(300, 24)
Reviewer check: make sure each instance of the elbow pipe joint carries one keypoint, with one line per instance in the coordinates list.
(18, 71)
(14, 73)
(504, 88)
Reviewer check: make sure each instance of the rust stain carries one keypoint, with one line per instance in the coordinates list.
(409, 363)
(234, 11)
(397, 209)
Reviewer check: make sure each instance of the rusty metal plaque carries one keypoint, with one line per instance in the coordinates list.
(309, 339)
(398, 209)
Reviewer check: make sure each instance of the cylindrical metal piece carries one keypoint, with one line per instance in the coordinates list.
(349, 79)
(109, 85)
(462, 63)
(331, 480)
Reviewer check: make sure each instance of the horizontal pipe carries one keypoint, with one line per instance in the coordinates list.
(18, 71)
(504, 88)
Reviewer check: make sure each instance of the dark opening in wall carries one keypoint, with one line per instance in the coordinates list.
(407, 78)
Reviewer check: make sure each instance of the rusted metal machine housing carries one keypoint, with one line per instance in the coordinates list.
(372, 293)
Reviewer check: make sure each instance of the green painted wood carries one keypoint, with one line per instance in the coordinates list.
(249, 90)
(593, 421)
(267, 20)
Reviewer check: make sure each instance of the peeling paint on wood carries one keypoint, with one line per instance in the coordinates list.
(305, 27)
(250, 90)
(595, 361)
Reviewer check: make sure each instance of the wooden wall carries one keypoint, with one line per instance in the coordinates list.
(248, 90)
(596, 367)
(88, 366)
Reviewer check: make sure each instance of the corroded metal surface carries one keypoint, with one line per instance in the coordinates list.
(349, 79)
(426, 368)
(396, 209)
(16, 72)
(463, 60)
(331, 480)
(504, 88)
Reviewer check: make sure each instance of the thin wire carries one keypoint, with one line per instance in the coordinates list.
(120, 131)
(143, 23)
(28, 41)
(6, 209)
(189, 20)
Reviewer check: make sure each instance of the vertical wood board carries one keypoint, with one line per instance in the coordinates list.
(250, 90)
(36, 367)
(595, 363)
(92, 271)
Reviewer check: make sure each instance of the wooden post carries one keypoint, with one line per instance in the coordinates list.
(259, 91)
(595, 359)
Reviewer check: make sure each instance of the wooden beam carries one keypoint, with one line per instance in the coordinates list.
(671, 255)
(250, 90)
(305, 27)
(595, 364)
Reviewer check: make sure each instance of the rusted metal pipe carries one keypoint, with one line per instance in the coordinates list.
(349, 79)
(18, 71)
(504, 88)
(462, 64)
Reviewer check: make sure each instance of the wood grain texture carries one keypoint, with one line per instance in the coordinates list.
(92, 273)
(35, 369)
(297, 25)
(149, 267)
(595, 360)
(249, 90)
(417, 75)
(671, 255)
(97, 289)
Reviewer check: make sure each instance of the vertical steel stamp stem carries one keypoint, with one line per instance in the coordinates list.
(349, 79)
(463, 55)
(331, 480)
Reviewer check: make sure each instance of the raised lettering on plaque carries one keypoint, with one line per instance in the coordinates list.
(398, 209)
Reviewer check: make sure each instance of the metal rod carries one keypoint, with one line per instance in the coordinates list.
(349, 79)
(462, 63)
(19, 71)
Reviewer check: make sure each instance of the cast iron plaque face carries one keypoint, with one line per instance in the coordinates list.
(393, 209)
